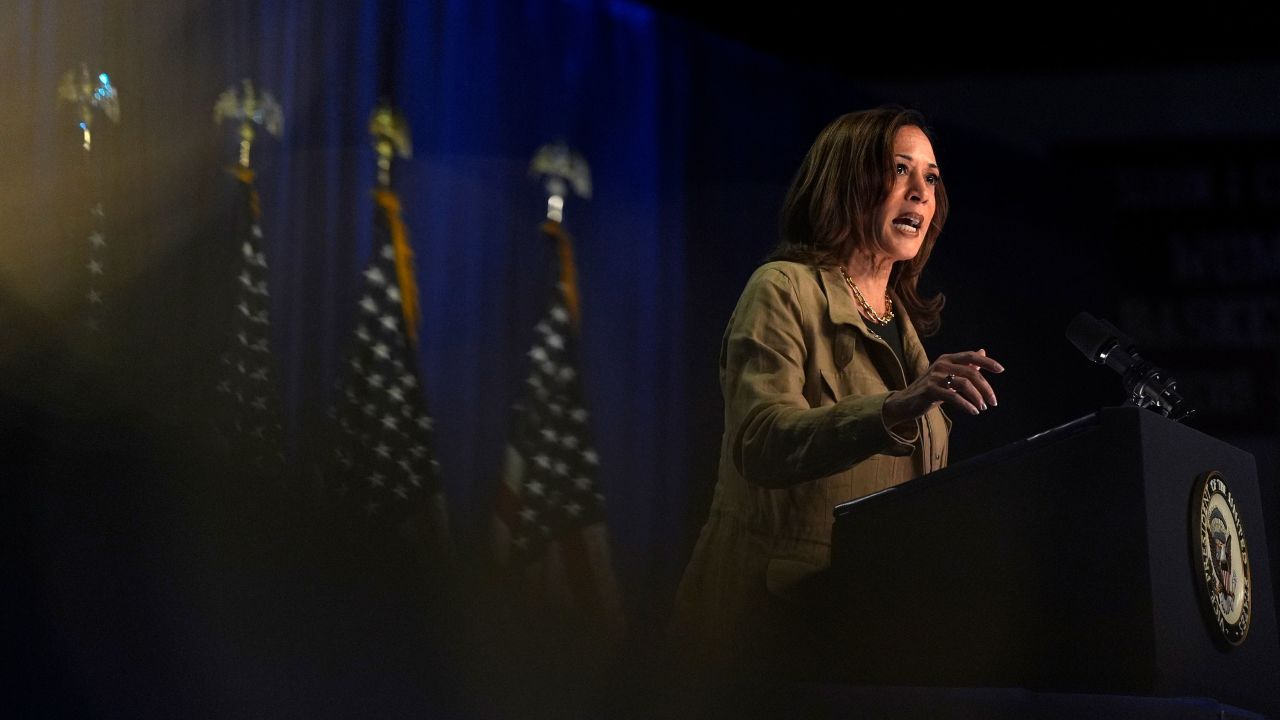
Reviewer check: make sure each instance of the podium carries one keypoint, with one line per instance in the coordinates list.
(1069, 562)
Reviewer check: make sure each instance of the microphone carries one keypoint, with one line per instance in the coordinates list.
(1147, 385)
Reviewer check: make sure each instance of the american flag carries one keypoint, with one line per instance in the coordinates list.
(383, 467)
(250, 409)
(96, 268)
(550, 518)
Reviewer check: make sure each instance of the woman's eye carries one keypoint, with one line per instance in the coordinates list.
(900, 169)
(932, 179)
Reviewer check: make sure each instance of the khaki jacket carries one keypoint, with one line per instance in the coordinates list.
(804, 383)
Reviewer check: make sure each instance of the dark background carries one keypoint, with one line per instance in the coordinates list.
(1122, 162)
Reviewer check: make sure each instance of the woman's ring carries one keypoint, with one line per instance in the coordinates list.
(950, 382)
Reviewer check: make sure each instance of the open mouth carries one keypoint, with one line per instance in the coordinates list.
(909, 222)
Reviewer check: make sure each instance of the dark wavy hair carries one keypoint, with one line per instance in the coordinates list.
(830, 210)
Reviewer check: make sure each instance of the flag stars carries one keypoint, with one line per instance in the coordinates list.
(375, 277)
(578, 415)
(535, 488)
(382, 351)
(561, 468)
(376, 479)
(538, 354)
(95, 297)
(528, 515)
(425, 423)
(368, 305)
(559, 314)
(401, 491)
(389, 323)
(573, 509)
(389, 422)
(97, 240)
(549, 434)
(375, 380)
(95, 267)
(393, 293)
(582, 483)
(542, 461)
(396, 393)
(555, 341)
(589, 457)
(383, 451)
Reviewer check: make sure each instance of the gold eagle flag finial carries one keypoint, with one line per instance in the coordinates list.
(89, 93)
(250, 108)
(391, 138)
(560, 169)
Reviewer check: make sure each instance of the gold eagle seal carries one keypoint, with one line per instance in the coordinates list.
(1222, 556)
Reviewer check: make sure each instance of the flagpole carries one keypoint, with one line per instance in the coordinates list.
(549, 528)
(391, 138)
(250, 415)
(90, 95)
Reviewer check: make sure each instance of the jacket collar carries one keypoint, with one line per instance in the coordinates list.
(841, 310)
(839, 301)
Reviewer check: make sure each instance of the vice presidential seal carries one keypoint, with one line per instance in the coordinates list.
(1223, 558)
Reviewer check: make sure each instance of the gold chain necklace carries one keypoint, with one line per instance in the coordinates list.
(866, 307)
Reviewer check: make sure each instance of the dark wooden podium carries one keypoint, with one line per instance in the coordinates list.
(1064, 563)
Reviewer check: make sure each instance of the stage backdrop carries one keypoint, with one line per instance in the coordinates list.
(691, 140)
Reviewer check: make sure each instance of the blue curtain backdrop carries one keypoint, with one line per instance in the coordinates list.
(148, 586)
(690, 140)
